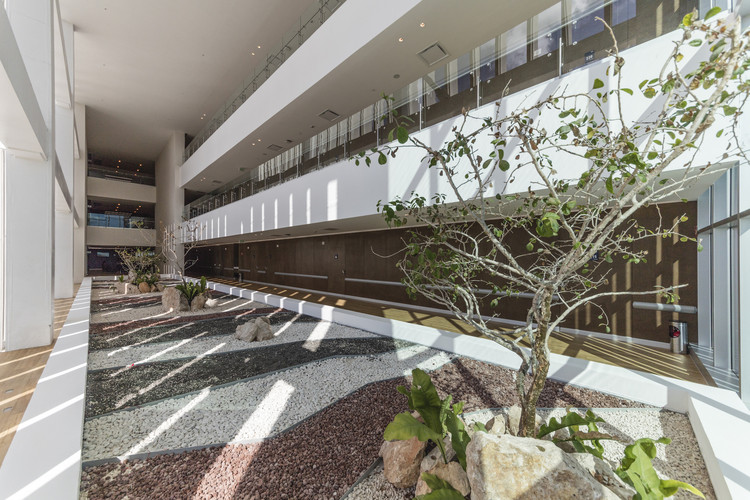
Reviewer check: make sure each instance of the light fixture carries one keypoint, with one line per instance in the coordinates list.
(400, 39)
(258, 46)
(252, 53)
(421, 25)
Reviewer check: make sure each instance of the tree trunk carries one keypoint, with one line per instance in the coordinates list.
(539, 368)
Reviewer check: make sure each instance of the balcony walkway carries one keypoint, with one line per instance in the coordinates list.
(19, 372)
(632, 356)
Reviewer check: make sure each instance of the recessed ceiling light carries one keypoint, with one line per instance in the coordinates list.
(421, 25)
(396, 76)
(258, 46)
(259, 140)
(253, 144)
(400, 39)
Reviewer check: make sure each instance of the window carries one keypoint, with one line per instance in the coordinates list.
(622, 10)
(513, 43)
(487, 56)
(547, 30)
(583, 14)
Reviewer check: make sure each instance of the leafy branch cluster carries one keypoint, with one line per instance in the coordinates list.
(587, 167)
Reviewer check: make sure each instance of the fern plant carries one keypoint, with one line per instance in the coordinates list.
(190, 289)
(439, 415)
(578, 437)
(637, 470)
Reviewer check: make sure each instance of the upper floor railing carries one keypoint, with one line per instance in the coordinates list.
(556, 41)
(309, 22)
(124, 221)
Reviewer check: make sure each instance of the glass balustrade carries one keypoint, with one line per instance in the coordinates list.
(556, 41)
(123, 221)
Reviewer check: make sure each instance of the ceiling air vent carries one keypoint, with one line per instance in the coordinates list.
(275, 147)
(329, 115)
(433, 54)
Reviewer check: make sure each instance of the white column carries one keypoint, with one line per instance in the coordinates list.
(29, 184)
(79, 197)
(744, 309)
(64, 145)
(170, 197)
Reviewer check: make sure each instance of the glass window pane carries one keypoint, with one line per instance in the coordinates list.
(547, 30)
(622, 10)
(513, 43)
(583, 14)
(487, 57)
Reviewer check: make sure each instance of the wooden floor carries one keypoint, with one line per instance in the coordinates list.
(634, 356)
(19, 372)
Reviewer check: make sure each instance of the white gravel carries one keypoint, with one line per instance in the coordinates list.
(681, 459)
(146, 352)
(156, 312)
(377, 487)
(246, 411)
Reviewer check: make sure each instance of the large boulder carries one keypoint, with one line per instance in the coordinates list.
(131, 289)
(401, 461)
(509, 467)
(603, 473)
(198, 302)
(257, 329)
(172, 300)
(144, 287)
(452, 472)
(264, 329)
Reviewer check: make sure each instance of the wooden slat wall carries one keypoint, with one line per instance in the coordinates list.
(373, 256)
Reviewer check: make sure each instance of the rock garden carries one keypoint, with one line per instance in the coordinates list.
(243, 400)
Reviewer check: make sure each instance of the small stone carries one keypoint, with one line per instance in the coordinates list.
(497, 425)
(144, 287)
(131, 289)
(401, 461)
(173, 301)
(211, 303)
(246, 331)
(514, 419)
(452, 473)
(264, 331)
(434, 457)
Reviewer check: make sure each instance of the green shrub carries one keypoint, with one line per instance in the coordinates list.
(578, 437)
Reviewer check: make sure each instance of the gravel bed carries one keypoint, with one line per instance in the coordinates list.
(226, 303)
(103, 306)
(250, 410)
(216, 326)
(285, 333)
(304, 462)
(377, 487)
(163, 320)
(114, 389)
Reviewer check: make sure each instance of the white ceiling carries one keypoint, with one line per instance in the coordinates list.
(145, 68)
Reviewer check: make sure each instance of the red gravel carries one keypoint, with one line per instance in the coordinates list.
(322, 457)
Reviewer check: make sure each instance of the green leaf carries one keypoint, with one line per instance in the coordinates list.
(652, 155)
(670, 486)
(459, 437)
(402, 134)
(627, 91)
(712, 12)
(503, 165)
(405, 426)
(382, 159)
(688, 19)
(649, 92)
(695, 43)
(570, 419)
(441, 489)
(598, 83)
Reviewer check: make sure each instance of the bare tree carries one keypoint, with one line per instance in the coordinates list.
(177, 242)
(465, 254)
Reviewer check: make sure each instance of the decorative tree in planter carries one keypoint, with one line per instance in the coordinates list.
(465, 256)
(177, 242)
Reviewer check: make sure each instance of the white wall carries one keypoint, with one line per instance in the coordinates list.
(117, 190)
(345, 191)
(115, 236)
